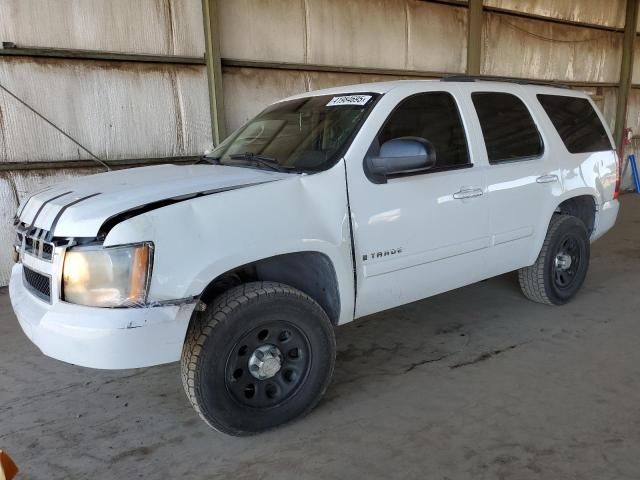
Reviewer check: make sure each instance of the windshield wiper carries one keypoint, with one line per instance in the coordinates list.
(205, 159)
(261, 160)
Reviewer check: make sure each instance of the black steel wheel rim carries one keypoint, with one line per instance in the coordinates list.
(295, 360)
(567, 262)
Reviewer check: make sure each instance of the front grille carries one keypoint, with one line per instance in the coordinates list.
(37, 283)
(33, 240)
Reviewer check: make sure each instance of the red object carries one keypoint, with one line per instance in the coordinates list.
(8, 469)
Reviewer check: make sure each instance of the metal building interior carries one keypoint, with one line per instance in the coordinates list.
(142, 90)
(141, 82)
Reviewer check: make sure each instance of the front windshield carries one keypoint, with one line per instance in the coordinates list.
(307, 135)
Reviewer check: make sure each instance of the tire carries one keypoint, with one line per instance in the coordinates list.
(230, 370)
(562, 264)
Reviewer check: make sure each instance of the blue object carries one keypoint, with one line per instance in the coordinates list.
(634, 171)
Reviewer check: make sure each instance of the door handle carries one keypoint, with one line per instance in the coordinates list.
(468, 193)
(547, 179)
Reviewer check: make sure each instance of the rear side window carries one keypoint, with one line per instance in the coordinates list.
(507, 127)
(577, 123)
(433, 116)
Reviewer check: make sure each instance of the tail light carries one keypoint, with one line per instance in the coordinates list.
(616, 193)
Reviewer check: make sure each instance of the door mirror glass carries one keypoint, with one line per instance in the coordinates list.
(403, 155)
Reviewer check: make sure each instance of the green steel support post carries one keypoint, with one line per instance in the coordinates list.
(626, 69)
(214, 69)
(474, 37)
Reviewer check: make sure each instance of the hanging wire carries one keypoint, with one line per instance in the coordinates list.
(93, 156)
(549, 39)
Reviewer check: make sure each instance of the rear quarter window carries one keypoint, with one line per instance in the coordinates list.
(577, 123)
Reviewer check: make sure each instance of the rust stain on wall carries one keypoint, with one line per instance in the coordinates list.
(178, 111)
(171, 41)
(3, 141)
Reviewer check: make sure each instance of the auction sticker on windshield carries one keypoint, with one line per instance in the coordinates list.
(349, 100)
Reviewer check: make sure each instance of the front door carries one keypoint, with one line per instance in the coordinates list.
(422, 233)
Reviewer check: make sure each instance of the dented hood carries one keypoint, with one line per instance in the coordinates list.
(79, 208)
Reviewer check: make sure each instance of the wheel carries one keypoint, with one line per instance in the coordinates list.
(261, 355)
(562, 264)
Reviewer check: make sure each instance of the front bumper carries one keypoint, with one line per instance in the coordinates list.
(106, 338)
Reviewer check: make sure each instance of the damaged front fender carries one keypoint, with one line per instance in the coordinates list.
(199, 239)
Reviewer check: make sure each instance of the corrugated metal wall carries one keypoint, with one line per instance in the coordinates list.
(124, 110)
(595, 12)
(169, 27)
(519, 47)
(414, 35)
(119, 110)
(369, 34)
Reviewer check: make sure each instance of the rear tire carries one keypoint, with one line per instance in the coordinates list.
(562, 264)
(261, 355)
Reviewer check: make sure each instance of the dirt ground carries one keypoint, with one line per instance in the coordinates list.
(478, 383)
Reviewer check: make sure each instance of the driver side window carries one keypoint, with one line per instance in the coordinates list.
(433, 116)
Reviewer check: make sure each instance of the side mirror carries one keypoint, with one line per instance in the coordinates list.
(403, 155)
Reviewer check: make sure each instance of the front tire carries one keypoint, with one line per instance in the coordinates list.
(261, 355)
(562, 264)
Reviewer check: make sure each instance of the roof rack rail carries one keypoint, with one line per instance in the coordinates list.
(490, 78)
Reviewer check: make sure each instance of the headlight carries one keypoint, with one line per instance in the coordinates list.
(107, 277)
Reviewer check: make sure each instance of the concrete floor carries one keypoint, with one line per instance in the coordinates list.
(478, 383)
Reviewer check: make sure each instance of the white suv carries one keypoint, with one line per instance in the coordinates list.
(326, 207)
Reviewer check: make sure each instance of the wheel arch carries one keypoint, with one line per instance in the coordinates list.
(311, 272)
(582, 206)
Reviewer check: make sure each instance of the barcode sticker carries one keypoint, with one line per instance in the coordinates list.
(349, 100)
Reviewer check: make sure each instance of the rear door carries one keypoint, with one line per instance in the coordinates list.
(523, 177)
(422, 233)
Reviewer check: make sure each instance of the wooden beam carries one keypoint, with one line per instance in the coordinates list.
(214, 69)
(418, 74)
(310, 67)
(474, 37)
(78, 54)
(75, 164)
(626, 69)
(558, 21)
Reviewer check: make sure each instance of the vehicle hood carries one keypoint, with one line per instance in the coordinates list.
(79, 208)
